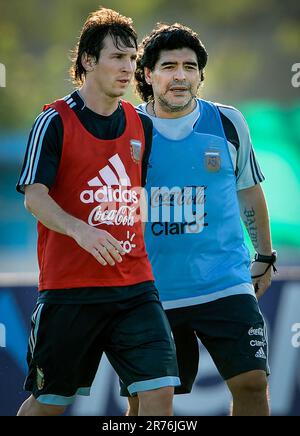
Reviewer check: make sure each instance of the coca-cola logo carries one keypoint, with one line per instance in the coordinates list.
(256, 332)
(189, 195)
(125, 215)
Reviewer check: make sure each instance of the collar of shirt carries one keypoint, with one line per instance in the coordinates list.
(174, 128)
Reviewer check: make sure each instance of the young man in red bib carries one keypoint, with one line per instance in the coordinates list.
(85, 162)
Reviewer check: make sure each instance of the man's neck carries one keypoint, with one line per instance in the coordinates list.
(155, 109)
(97, 101)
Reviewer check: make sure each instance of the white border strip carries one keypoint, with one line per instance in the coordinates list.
(18, 279)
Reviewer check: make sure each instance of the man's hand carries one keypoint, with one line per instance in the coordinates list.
(104, 247)
(100, 244)
(262, 283)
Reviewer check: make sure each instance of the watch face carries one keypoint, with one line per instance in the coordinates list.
(266, 259)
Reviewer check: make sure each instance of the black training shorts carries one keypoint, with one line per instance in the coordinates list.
(67, 342)
(233, 331)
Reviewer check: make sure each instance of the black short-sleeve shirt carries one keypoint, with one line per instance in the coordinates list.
(45, 141)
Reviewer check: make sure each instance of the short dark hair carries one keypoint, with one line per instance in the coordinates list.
(98, 25)
(165, 37)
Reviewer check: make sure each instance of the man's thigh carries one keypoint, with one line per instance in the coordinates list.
(142, 349)
(64, 351)
(234, 332)
(187, 352)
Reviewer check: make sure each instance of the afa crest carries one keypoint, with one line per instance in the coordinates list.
(212, 161)
(136, 149)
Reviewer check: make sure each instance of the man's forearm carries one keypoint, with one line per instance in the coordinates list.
(49, 213)
(255, 216)
(99, 243)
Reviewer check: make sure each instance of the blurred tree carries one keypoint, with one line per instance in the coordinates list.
(251, 45)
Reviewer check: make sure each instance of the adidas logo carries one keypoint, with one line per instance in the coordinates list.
(113, 174)
(260, 354)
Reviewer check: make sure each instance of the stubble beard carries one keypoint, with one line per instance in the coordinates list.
(166, 106)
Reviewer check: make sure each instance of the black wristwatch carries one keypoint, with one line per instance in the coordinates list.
(269, 260)
(266, 259)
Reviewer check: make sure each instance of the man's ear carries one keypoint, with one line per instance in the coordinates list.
(148, 75)
(88, 62)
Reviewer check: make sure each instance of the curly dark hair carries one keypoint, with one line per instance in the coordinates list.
(98, 25)
(165, 37)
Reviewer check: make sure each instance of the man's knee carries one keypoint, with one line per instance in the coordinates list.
(50, 410)
(161, 396)
(32, 407)
(165, 393)
(252, 382)
(133, 406)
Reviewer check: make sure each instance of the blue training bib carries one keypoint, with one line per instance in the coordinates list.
(194, 235)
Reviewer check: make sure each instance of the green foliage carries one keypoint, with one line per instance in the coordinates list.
(275, 132)
(251, 44)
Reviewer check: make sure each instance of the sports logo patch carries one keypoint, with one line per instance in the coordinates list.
(212, 161)
(136, 149)
(260, 354)
(40, 379)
